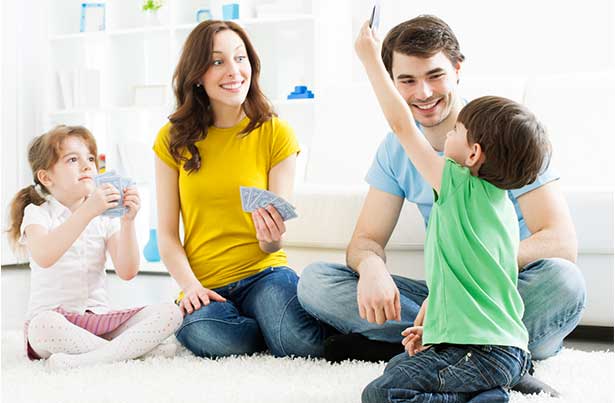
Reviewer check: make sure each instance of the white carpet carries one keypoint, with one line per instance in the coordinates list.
(580, 376)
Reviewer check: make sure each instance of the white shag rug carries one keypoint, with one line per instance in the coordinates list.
(579, 376)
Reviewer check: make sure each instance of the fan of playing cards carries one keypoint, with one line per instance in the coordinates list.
(254, 198)
(120, 183)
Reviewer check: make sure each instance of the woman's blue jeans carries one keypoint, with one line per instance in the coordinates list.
(261, 312)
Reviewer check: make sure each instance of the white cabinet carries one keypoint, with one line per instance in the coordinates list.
(117, 82)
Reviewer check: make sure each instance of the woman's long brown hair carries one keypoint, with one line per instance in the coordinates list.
(193, 114)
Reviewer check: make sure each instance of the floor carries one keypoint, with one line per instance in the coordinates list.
(151, 288)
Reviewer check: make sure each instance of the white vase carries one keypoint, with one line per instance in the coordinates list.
(152, 18)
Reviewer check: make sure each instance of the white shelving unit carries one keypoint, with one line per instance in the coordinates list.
(92, 76)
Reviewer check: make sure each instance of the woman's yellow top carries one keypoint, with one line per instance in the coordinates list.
(219, 237)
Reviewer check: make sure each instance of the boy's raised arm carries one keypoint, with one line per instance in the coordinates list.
(396, 110)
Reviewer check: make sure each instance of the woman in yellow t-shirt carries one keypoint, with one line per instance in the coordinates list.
(238, 295)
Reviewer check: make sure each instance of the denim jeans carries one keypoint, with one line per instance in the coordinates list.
(448, 373)
(261, 312)
(553, 291)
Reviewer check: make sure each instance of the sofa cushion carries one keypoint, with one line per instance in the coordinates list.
(328, 214)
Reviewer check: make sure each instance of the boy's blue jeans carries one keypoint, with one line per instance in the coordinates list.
(448, 373)
(553, 291)
(261, 312)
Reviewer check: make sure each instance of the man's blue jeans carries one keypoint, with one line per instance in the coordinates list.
(261, 312)
(449, 373)
(553, 291)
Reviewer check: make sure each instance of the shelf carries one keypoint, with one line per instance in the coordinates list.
(153, 267)
(157, 108)
(139, 30)
(132, 53)
(144, 267)
(179, 27)
(102, 34)
(79, 35)
(149, 108)
(76, 111)
(255, 21)
(292, 102)
(280, 19)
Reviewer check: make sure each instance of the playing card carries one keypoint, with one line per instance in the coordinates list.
(253, 198)
(120, 183)
(374, 21)
(248, 194)
(286, 211)
(264, 199)
(254, 193)
(244, 192)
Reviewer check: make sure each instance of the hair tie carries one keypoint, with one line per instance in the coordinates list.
(39, 190)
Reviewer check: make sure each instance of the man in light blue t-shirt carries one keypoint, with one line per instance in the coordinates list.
(363, 299)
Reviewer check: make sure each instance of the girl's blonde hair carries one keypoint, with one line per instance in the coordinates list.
(43, 152)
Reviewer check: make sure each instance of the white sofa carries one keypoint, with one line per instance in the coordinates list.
(328, 215)
(328, 211)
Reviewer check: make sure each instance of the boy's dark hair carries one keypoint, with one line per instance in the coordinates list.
(515, 143)
(423, 36)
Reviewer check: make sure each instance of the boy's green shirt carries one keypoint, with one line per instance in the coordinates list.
(471, 265)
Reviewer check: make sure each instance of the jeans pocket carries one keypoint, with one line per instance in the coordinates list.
(462, 376)
(482, 367)
(504, 364)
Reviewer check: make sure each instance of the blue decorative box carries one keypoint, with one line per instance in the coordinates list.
(300, 92)
(203, 14)
(92, 17)
(230, 11)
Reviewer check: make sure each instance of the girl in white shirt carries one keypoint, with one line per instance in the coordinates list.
(58, 220)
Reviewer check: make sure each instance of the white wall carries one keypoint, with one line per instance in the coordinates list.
(505, 43)
(22, 92)
(523, 37)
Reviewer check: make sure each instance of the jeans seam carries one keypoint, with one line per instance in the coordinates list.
(183, 326)
(515, 357)
(560, 324)
(315, 315)
(279, 327)
(505, 370)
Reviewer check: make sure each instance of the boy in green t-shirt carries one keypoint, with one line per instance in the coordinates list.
(468, 342)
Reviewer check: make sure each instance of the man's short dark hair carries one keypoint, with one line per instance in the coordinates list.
(515, 143)
(423, 36)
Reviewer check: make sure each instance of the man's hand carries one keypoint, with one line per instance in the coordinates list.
(377, 294)
(413, 340)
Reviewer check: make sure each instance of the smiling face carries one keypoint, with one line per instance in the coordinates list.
(227, 79)
(71, 177)
(427, 84)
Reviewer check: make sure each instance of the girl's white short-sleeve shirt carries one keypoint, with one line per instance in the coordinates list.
(76, 282)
